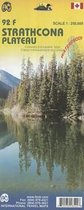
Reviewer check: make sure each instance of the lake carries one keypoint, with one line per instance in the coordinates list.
(41, 156)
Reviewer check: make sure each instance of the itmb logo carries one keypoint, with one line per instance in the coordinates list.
(6, 6)
(4, 198)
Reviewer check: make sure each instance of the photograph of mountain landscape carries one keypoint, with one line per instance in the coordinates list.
(43, 129)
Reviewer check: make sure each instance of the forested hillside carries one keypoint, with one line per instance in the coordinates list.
(52, 90)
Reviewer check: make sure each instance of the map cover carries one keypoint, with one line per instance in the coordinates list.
(41, 104)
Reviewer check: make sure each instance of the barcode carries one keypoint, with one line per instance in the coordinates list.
(70, 202)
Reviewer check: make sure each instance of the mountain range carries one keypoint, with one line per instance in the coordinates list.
(7, 82)
(4, 90)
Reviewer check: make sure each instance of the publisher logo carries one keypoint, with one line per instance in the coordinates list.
(43, 7)
(4, 198)
(6, 6)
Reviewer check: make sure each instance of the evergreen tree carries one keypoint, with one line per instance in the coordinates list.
(75, 87)
(34, 96)
(62, 88)
(36, 83)
(44, 93)
(22, 88)
(53, 104)
(28, 79)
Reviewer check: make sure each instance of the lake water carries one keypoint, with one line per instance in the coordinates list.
(38, 156)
